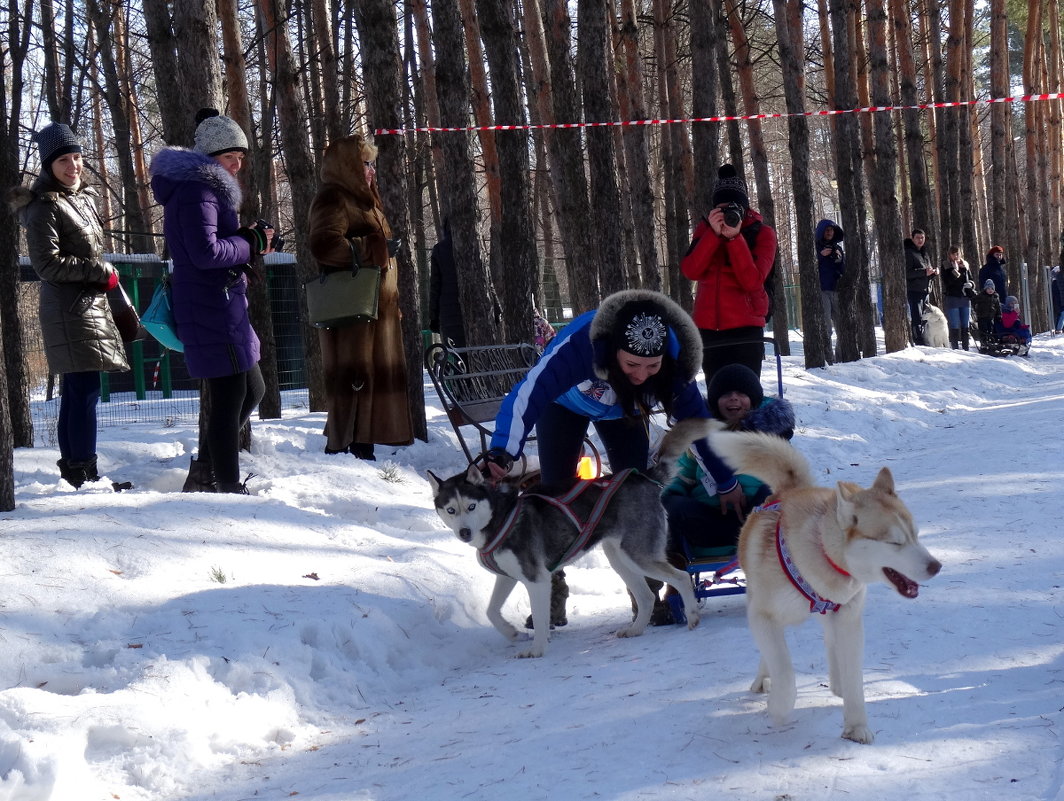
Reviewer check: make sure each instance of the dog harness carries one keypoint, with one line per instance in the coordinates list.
(816, 603)
(607, 486)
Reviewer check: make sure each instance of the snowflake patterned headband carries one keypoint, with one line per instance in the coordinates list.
(645, 335)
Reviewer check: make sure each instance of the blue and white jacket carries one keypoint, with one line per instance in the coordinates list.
(573, 373)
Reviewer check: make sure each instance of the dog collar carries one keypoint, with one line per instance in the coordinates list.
(816, 603)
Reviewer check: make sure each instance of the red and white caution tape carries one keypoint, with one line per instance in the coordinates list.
(725, 118)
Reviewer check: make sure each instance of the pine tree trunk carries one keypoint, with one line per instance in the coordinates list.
(517, 242)
(788, 18)
(301, 175)
(382, 69)
(889, 235)
(565, 146)
(459, 201)
(637, 155)
(705, 136)
(594, 66)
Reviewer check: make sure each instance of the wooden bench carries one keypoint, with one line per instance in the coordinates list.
(473, 382)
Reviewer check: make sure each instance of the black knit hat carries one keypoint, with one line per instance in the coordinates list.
(734, 378)
(730, 187)
(640, 329)
(55, 140)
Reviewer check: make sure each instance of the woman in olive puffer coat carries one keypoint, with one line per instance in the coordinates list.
(65, 239)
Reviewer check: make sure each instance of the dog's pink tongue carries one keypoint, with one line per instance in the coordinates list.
(905, 586)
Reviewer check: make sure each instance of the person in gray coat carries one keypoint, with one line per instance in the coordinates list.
(64, 235)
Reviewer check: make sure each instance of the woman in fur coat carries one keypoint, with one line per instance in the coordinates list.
(65, 239)
(211, 251)
(365, 363)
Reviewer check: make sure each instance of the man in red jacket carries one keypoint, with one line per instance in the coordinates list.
(730, 257)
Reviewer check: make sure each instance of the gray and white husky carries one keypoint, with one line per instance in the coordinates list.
(527, 536)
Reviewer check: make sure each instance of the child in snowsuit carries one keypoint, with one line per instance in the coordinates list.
(1011, 326)
(987, 308)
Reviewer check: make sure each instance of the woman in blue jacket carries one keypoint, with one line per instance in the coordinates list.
(211, 252)
(610, 367)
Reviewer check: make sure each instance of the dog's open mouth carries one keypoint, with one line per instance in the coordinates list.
(905, 586)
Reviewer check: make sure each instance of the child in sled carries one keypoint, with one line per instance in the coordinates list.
(987, 308)
(1010, 328)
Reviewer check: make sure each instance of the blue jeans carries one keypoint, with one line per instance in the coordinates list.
(76, 432)
(958, 312)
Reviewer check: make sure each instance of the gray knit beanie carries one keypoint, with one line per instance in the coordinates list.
(55, 140)
(216, 133)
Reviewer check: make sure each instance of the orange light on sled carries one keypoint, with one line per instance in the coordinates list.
(584, 468)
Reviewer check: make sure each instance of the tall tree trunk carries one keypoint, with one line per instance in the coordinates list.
(104, 19)
(382, 68)
(919, 189)
(594, 66)
(196, 35)
(788, 18)
(301, 177)
(889, 234)
(705, 136)
(565, 147)
(759, 159)
(480, 100)
(1034, 140)
(15, 415)
(517, 227)
(677, 219)
(177, 119)
(855, 337)
(456, 174)
(641, 194)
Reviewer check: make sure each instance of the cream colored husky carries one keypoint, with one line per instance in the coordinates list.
(816, 551)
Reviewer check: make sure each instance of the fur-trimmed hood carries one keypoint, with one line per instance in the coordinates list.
(683, 332)
(176, 165)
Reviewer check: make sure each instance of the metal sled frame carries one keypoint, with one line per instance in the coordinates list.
(472, 384)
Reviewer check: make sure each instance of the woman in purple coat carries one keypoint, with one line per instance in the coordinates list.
(211, 252)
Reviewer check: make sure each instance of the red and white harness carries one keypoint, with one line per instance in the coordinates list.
(607, 486)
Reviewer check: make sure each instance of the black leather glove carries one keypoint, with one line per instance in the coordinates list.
(498, 456)
(255, 237)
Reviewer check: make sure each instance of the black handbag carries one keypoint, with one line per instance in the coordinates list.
(335, 300)
(125, 316)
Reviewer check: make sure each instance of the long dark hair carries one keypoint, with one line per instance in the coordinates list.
(637, 402)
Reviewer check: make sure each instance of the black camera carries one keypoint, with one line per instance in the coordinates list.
(733, 215)
(278, 240)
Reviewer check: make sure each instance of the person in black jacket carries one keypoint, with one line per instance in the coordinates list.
(959, 289)
(445, 305)
(831, 263)
(1057, 289)
(919, 272)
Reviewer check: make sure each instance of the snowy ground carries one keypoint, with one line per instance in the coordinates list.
(325, 638)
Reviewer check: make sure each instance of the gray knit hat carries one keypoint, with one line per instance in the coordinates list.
(216, 133)
(55, 140)
(730, 187)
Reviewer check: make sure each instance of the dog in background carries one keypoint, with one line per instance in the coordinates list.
(935, 326)
(528, 536)
(817, 549)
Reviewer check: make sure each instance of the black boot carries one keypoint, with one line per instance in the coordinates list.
(955, 338)
(73, 473)
(200, 477)
(362, 450)
(964, 338)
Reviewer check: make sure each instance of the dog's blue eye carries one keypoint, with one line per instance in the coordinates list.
(450, 510)
(471, 507)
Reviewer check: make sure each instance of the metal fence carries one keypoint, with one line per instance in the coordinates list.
(157, 389)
